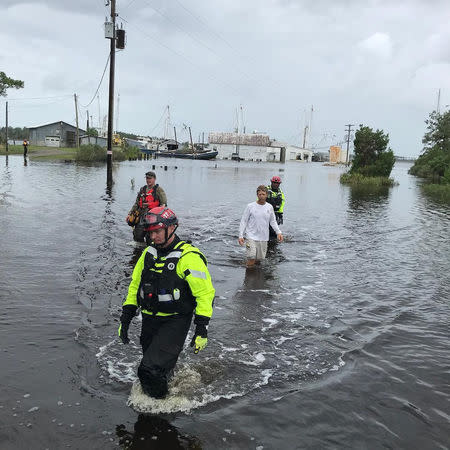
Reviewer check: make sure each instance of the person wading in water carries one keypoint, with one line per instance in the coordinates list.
(149, 196)
(170, 283)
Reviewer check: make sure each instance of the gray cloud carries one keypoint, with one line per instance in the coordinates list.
(377, 62)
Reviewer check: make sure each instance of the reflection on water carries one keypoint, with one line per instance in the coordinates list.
(364, 197)
(153, 432)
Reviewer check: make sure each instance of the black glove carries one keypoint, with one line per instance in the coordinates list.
(200, 338)
(128, 312)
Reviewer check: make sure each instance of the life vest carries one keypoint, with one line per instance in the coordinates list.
(161, 289)
(148, 197)
(274, 198)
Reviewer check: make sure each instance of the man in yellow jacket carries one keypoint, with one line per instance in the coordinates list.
(170, 284)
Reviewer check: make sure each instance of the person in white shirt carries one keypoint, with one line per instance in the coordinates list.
(255, 227)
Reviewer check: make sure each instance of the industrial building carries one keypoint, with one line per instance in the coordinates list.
(56, 134)
(255, 147)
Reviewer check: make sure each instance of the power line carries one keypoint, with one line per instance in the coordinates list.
(99, 84)
(40, 98)
(247, 75)
(181, 56)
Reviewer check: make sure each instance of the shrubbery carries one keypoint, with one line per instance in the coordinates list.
(373, 162)
(96, 153)
(90, 153)
(434, 163)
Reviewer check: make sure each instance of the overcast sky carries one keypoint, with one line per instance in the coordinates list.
(377, 63)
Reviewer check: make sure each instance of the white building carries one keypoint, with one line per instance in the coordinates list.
(295, 153)
(255, 147)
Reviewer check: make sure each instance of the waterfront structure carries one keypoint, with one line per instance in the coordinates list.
(255, 147)
(338, 155)
(55, 134)
(93, 140)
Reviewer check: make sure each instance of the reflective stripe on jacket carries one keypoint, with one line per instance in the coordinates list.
(178, 282)
(276, 199)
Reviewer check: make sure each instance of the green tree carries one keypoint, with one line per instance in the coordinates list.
(372, 156)
(434, 162)
(6, 83)
(92, 132)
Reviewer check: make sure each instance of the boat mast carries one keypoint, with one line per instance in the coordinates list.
(167, 124)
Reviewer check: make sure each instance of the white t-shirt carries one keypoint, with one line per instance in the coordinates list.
(255, 222)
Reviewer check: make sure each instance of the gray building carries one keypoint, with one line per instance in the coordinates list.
(93, 140)
(56, 134)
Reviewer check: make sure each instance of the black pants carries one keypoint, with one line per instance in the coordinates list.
(162, 339)
(139, 233)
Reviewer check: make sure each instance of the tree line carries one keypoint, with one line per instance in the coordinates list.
(14, 133)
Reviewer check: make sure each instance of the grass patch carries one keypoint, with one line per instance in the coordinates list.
(96, 153)
(439, 192)
(12, 150)
(356, 179)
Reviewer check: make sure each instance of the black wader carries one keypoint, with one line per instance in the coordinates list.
(162, 339)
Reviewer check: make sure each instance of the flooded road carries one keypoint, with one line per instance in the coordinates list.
(339, 340)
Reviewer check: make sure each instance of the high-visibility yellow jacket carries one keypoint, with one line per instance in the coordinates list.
(276, 199)
(173, 283)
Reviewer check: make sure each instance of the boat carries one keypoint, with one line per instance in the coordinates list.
(207, 154)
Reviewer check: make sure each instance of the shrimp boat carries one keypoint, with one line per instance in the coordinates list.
(200, 154)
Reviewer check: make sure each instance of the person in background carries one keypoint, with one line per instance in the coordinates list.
(254, 227)
(170, 283)
(25, 147)
(276, 198)
(149, 196)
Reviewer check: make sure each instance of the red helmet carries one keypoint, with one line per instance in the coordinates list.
(275, 179)
(159, 217)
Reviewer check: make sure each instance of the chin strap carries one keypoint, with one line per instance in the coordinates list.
(167, 237)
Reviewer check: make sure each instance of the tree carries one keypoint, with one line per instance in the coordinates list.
(372, 157)
(434, 162)
(6, 83)
(92, 132)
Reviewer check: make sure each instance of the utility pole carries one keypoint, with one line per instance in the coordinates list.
(76, 119)
(349, 130)
(87, 127)
(117, 115)
(190, 137)
(100, 131)
(6, 136)
(438, 108)
(112, 64)
(175, 134)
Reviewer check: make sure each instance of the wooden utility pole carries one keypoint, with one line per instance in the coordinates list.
(76, 119)
(190, 137)
(112, 64)
(6, 136)
(87, 127)
(349, 130)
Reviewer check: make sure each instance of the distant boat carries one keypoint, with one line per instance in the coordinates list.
(202, 154)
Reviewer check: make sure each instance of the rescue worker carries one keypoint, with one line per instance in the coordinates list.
(276, 198)
(149, 196)
(170, 283)
(25, 147)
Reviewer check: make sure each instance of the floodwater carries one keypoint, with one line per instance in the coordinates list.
(339, 340)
